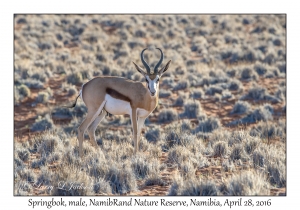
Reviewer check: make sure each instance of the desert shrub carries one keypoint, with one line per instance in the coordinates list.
(140, 33)
(23, 154)
(193, 187)
(42, 123)
(213, 89)
(179, 101)
(238, 152)
(191, 109)
(261, 113)
(241, 107)
(268, 130)
(282, 67)
(271, 159)
(208, 188)
(248, 74)
(193, 79)
(217, 77)
(75, 179)
(54, 157)
(235, 85)
(168, 82)
(227, 95)
(167, 115)
(26, 174)
(18, 164)
(140, 166)
(208, 125)
(164, 93)
(259, 93)
(22, 21)
(270, 58)
(32, 83)
(23, 91)
(277, 173)
(79, 110)
(38, 163)
(39, 76)
(22, 190)
(70, 128)
(43, 97)
(281, 94)
(175, 136)
(228, 165)
(268, 107)
(220, 149)
(69, 88)
(237, 137)
(75, 78)
(232, 72)
(181, 85)
(61, 113)
(247, 184)
(260, 69)
(197, 94)
(179, 154)
(258, 158)
(70, 156)
(217, 97)
(102, 186)
(187, 169)
(44, 176)
(251, 144)
(153, 134)
(121, 179)
(48, 144)
(115, 136)
(277, 42)
(186, 125)
(273, 72)
(154, 178)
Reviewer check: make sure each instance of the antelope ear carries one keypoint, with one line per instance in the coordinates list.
(139, 69)
(165, 68)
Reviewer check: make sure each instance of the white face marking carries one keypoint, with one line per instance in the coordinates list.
(152, 84)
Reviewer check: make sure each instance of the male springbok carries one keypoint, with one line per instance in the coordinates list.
(119, 96)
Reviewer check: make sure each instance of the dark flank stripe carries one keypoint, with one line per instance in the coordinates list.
(115, 94)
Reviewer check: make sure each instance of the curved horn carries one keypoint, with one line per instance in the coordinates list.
(144, 62)
(159, 62)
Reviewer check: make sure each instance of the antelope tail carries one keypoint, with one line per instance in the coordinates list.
(74, 104)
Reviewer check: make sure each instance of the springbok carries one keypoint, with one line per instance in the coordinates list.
(119, 96)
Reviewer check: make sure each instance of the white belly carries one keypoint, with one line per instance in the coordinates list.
(119, 107)
(116, 106)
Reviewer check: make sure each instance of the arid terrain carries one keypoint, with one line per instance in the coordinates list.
(219, 127)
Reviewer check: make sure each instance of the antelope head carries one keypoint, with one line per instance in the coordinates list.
(152, 76)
